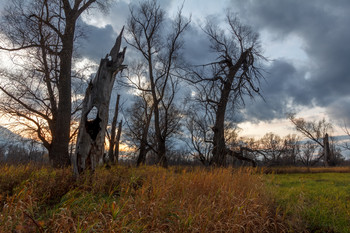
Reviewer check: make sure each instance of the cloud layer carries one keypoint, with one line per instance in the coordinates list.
(319, 78)
(323, 27)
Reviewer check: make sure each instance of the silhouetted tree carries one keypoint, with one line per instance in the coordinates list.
(113, 135)
(307, 155)
(42, 33)
(316, 131)
(138, 120)
(226, 81)
(200, 134)
(160, 52)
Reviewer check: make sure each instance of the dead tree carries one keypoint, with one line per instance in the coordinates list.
(161, 52)
(226, 81)
(38, 90)
(117, 141)
(91, 136)
(112, 140)
(139, 116)
(326, 150)
(316, 131)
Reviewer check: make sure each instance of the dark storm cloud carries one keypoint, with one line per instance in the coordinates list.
(340, 111)
(97, 42)
(99, 39)
(197, 46)
(323, 27)
(284, 87)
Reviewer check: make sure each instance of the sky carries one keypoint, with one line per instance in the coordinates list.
(306, 42)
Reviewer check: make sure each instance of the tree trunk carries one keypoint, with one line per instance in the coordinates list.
(112, 141)
(117, 140)
(91, 135)
(326, 151)
(143, 145)
(59, 154)
(219, 145)
(141, 159)
(161, 150)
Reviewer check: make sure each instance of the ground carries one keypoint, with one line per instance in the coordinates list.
(179, 199)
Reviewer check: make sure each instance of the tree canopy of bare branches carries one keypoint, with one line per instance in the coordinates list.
(160, 52)
(40, 35)
(226, 81)
(317, 132)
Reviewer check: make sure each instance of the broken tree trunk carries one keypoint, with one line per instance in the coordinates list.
(326, 150)
(112, 141)
(117, 140)
(95, 110)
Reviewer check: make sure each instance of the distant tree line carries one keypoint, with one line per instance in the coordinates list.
(22, 153)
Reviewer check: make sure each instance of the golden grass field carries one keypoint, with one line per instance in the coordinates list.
(153, 199)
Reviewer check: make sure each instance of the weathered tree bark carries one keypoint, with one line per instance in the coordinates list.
(326, 151)
(161, 149)
(219, 145)
(144, 148)
(117, 140)
(60, 141)
(91, 135)
(112, 140)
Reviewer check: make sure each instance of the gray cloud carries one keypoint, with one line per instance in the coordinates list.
(97, 42)
(284, 87)
(323, 27)
(340, 111)
(197, 46)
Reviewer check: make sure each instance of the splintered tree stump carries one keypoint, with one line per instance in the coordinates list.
(95, 111)
(326, 151)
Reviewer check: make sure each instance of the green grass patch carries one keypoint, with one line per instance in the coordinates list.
(318, 201)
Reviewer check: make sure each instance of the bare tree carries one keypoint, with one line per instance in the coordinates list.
(345, 128)
(273, 148)
(161, 53)
(199, 142)
(138, 120)
(117, 141)
(95, 111)
(292, 149)
(278, 150)
(141, 131)
(307, 155)
(113, 138)
(228, 80)
(40, 34)
(316, 131)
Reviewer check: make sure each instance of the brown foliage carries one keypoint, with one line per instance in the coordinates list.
(149, 199)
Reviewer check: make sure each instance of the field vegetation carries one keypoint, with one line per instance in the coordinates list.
(178, 199)
(146, 199)
(318, 200)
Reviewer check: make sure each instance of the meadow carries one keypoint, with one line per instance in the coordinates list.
(318, 201)
(178, 199)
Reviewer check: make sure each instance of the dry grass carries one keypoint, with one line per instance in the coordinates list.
(147, 199)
